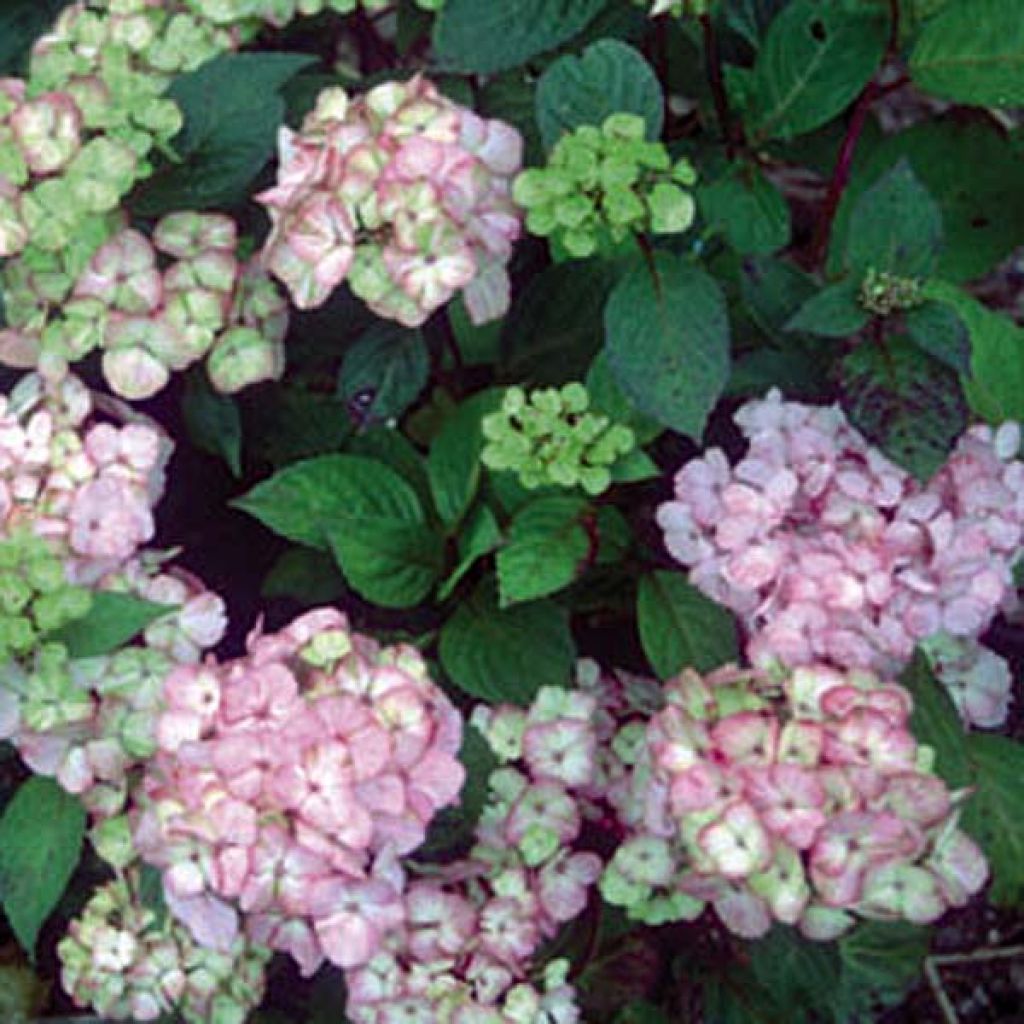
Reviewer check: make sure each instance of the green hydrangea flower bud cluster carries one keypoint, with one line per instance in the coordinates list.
(551, 437)
(883, 293)
(694, 8)
(601, 184)
(35, 597)
(126, 963)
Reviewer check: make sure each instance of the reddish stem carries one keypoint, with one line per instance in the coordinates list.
(713, 60)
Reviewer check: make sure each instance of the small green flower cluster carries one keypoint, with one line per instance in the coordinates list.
(551, 437)
(600, 184)
(695, 8)
(35, 597)
(883, 293)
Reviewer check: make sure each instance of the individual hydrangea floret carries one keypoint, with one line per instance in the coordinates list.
(804, 800)
(884, 293)
(288, 782)
(126, 961)
(979, 680)
(403, 194)
(602, 184)
(552, 437)
(830, 552)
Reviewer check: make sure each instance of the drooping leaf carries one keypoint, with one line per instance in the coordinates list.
(973, 52)
(815, 58)
(213, 422)
(383, 372)
(667, 341)
(41, 834)
(506, 655)
(906, 402)
(547, 546)
(501, 34)
(896, 227)
(232, 111)
(609, 77)
(112, 620)
(680, 627)
(748, 209)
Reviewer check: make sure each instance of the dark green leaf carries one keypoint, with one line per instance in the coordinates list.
(607, 397)
(667, 342)
(796, 971)
(290, 423)
(477, 344)
(213, 422)
(880, 960)
(815, 59)
(834, 312)
(304, 575)
(896, 227)
(772, 292)
(506, 655)
(973, 52)
(510, 97)
(397, 452)
(41, 834)
(936, 723)
(906, 402)
(479, 536)
(748, 209)
(940, 331)
(112, 620)
(994, 815)
(232, 112)
(681, 628)
(454, 460)
(501, 34)
(547, 546)
(383, 372)
(610, 77)
(640, 1012)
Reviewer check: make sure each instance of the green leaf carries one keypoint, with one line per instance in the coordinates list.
(994, 815)
(112, 620)
(478, 345)
(633, 467)
(480, 536)
(397, 452)
(506, 655)
(304, 575)
(41, 834)
(610, 77)
(453, 464)
(501, 34)
(896, 226)
(213, 422)
(996, 388)
(232, 112)
(553, 331)
(796, 971)
(973, 52)
(383, 372)
(936, 723)
(906, 402)
(21, 23)
(290, 423)
(939, 330)
(834, 312)
(880, 960)
(301, 501)
(547, 545)
(641, 1012)
(815, 59)
(747, 209)
(681, 628)
(773, 291)
(667, 342)
(606, 397)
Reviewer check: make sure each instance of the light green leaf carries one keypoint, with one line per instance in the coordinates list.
(506, 655)
(501, 34)
(667, 342)
(973, 52)
(547, 545)
(383, 372)
(112, 621)
(681, 628)
(41, 834)
(815, 59)
(609, 77)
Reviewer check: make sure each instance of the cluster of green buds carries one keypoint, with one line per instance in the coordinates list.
(883, 293)
(35, 597)
(130, 961)
(601, 184)
(551, 437)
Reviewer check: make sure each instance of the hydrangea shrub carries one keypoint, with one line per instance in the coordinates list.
(510, 513)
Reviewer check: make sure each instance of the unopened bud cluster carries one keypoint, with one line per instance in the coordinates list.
(804, 800)
(602, 184)
(884, 293)
(120, 958)
(552, 437)
(403, 194)
(831, 553)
